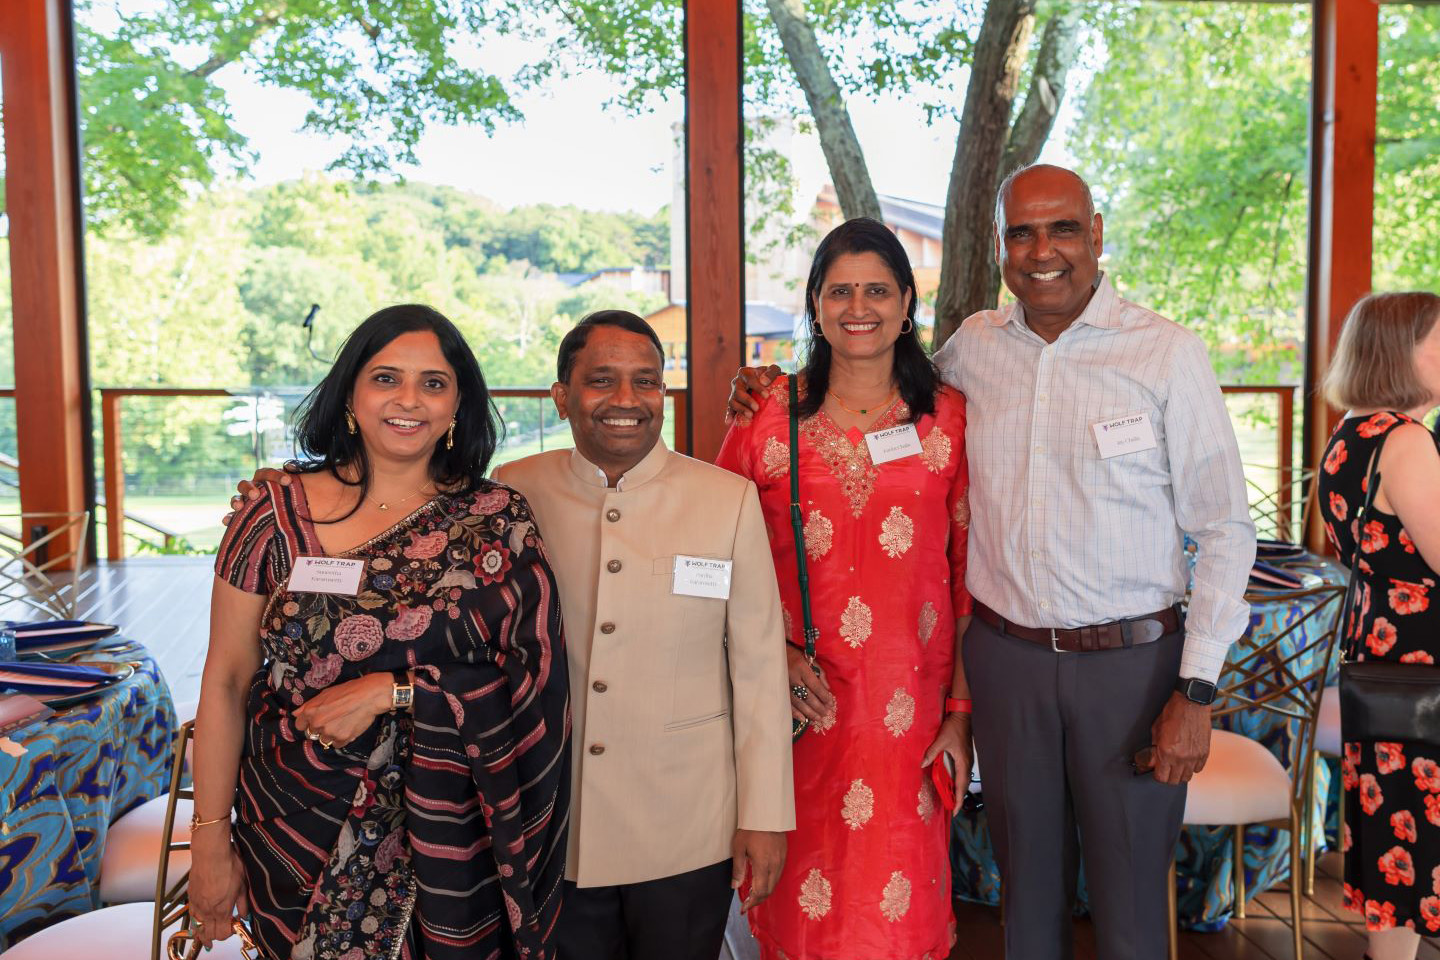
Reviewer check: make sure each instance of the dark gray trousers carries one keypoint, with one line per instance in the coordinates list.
(673, 918)
(1054, 735)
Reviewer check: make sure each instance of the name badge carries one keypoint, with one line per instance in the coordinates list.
(892, 444)
(1128, 434)
(326, 575)
(702, 577)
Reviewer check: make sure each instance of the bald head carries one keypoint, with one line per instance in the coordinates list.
(1048, 240)
(1051, 176)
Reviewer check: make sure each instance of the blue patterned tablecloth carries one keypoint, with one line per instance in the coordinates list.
(82, 768)
(1203, 856)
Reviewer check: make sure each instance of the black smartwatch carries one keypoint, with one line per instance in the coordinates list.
(1196, 690)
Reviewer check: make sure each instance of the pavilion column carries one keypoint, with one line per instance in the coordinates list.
(1342, 198)
(51, 384)
(715, 267)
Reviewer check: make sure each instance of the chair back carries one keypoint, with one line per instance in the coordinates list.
(43, 574)
(1272, 504)
(1285, 677)
(172, 897)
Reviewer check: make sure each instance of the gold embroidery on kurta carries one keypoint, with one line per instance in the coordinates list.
(789, 624)
(926, 806)
(815, 894)
(962, 512)
(895, 899)
(935, 450)
(826, 722)
(819, 535)
(928, 619)
(900, 713)
(850, 463)
(775, 459)
(859, 805)
(897, 533)
(855, 622)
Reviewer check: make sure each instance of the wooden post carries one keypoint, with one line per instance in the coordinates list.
(41, 170)
(1342, 198)
(114, 447)
(715, 266)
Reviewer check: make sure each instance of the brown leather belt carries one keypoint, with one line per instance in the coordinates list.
(1101, 636)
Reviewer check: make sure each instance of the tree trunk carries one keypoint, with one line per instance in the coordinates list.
(1059, 43)
(965, 274)
(827, 106)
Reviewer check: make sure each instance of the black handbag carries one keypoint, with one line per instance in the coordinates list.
(1383, 700)
(797, 526)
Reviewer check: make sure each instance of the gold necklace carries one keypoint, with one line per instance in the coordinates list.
(385, 505)
(863, 412)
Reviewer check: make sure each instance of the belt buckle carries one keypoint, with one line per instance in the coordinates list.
(1054, 643)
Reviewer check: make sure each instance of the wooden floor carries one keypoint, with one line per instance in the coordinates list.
(164, 602)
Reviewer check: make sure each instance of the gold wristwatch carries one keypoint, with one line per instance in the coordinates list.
(402, 695)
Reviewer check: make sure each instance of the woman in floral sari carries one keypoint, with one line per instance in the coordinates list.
(395, 745)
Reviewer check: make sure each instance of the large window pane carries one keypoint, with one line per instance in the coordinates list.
(1407, 152)
(514, 169)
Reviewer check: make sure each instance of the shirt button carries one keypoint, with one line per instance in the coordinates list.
(607, 628)
(612, 514)
(596, 749)
(1044, 397)
(1044, 604)
(599, 686)
(1034, 555)
(613, 566)
(1039, 448)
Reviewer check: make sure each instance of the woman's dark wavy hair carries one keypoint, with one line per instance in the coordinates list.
(327, 444)
(915, 374)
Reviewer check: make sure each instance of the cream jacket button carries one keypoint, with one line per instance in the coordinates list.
(599, 686)
(607, 628)
(612, 514)
(613, 566)
(596, 749)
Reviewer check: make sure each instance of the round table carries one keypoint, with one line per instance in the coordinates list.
(83, 767)
(1203, 855)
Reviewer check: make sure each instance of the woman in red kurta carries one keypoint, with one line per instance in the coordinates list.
(867, 872)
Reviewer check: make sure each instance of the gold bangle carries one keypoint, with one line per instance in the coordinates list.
(196, 823)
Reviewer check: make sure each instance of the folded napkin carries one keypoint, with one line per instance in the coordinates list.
(1265, 576)
(1277, 550)
(57, 634)
(28, 676)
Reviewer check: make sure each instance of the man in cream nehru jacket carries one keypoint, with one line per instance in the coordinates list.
(681, 745)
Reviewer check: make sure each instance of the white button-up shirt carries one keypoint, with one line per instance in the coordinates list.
(1060, 537)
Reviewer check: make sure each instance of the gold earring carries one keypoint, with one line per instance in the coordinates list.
(450, 436)
(350, 422)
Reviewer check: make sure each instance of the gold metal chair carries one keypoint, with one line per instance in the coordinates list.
(1273, 506)
(40, 574)
(1243, 783)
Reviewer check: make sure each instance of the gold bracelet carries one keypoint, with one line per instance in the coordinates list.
(196, 823)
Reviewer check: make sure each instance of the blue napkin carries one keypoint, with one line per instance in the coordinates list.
(1265, 576)
(29, 676)
(57, 633)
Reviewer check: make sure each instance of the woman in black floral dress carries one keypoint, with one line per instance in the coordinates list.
(1386, 372)
(368, 826)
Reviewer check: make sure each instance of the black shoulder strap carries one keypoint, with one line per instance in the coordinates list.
(797, 523)
(1372, 481)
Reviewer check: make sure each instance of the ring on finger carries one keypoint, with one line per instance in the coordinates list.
(327, 744)
(800, 692)
(312, 735)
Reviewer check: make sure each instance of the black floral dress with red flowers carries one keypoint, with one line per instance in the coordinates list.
(1392, 804)
(439, 833)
